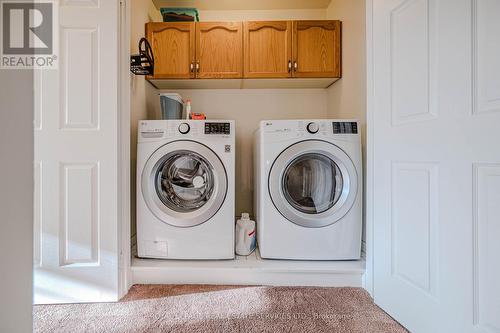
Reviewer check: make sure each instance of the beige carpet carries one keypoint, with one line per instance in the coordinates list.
(195, 308)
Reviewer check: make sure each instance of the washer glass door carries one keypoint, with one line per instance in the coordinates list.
(313, 183)
(184, 183)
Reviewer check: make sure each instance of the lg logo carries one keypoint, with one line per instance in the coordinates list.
(28, 36)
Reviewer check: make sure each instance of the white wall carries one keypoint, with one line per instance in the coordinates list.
(142, 11)
(247, 107)
(347, 97)
(16, 200)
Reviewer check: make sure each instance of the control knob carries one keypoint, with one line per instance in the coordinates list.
(184, 128)
(313, 128)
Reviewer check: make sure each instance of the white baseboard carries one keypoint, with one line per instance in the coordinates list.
(251, 270)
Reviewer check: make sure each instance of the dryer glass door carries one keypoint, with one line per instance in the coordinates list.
(184, 183)
(313, 183)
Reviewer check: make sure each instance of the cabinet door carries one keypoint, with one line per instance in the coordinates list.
(316, 48)
(268, 49)
(173, 48)
(219, 50)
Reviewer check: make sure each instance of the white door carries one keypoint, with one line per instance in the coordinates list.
(76, 159)
(436, 163)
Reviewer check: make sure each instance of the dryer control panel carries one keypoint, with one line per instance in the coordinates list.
(323, 129)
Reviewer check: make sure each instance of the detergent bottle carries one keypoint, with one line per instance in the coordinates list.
(245, 235)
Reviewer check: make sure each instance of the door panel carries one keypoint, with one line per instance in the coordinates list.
(173, 45)
(316, 48)
(487, 247)
(414, 217)
(80, 206)
(76, 153)
(219, 50)
(486, 64)
(268, 49)
(435, 167)
(486, 182)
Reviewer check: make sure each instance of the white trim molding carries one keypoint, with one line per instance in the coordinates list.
(368, 278)
(123, 167)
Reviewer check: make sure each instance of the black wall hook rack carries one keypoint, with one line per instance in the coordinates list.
(143, 63)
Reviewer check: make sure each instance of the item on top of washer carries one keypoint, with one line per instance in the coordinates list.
(198, 116)
(245, 235)
(171, 106)
(188, 109)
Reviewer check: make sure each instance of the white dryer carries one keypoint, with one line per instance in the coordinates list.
(185, 189)
(308, 189)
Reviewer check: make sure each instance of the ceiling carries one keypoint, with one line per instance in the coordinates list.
(244, 4)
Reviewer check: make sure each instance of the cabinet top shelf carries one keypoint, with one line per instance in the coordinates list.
(244, 4)
(298, 83)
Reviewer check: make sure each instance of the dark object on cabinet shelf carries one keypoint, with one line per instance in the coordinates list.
(179, 14)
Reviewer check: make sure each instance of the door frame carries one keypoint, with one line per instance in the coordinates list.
(368, 282)
(123, 167)
(125, 273)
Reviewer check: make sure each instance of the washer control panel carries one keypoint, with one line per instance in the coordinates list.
(154, 130)
(345, 127)
(217, 128)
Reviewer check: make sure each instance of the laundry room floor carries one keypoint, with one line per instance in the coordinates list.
(210, 308)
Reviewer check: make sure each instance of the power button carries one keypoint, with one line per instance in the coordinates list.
(313, 128)
(184, 128)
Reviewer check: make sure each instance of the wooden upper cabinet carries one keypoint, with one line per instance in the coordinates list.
(219, 50)
(255, 49)
(267, 49)
(317, 47)
(173, 45)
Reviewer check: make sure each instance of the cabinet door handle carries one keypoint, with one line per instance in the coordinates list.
(289, 66)
(197, 67)
(295, 66)
(191, 67)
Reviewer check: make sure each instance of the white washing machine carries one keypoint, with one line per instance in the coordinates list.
(185, 189)
(308, 189)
